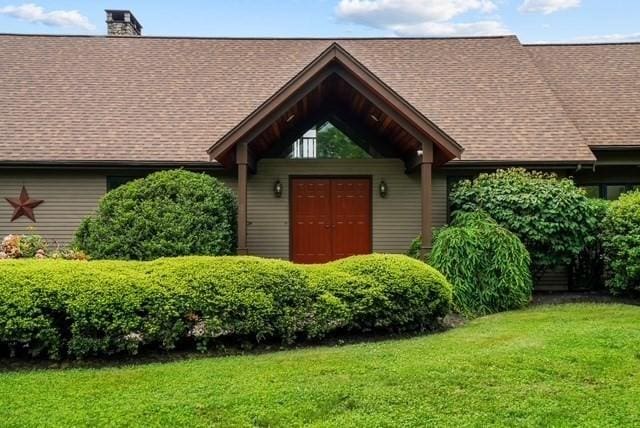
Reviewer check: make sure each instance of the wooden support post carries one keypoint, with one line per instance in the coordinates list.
(426, 184)
(242, 160)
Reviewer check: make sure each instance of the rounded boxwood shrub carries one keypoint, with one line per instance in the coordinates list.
(384, 291)
(71, 308)
(552, 217)
(247, 297)
(487, 265)
(168, 213)
(621, 243)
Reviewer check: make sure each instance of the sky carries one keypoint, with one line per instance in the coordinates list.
(533, 21)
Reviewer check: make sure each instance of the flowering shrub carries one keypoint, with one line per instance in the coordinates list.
(34, 246)
(69, 308)
(69, 254)
(23, 246)
(10, 247)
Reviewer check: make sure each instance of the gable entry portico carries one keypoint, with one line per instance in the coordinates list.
(336, 87)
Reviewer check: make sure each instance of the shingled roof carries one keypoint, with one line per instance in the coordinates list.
(148, 99)
(598, 86)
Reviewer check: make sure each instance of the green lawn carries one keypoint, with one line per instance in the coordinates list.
(566, 365)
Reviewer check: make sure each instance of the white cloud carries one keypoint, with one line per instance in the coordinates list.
(479, 28)
(56, 18)
(547, 6)
(606, 38)
(609, 38)
(421, 17)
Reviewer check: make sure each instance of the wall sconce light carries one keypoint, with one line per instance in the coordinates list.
(277, 189)
(383, 189)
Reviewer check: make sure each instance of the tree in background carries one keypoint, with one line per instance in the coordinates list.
(333, 144)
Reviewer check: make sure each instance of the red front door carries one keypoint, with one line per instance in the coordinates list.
(331, 218)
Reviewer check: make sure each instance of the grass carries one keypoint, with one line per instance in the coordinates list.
(564, 365)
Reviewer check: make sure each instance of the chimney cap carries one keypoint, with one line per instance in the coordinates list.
(123, 15)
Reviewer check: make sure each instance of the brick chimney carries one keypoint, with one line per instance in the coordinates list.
(122, 23)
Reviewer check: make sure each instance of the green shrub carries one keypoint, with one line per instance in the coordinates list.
(31, 244)
(415, 248)
(553, 218)
(621, 243)
(383, 291)
(168, 213)
(237, 296)
(78, 309)
(587, 270)
(487, 265)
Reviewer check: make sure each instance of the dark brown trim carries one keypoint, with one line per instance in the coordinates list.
(277, 100)
(278, 149)
(436, 134)
(109, 164)
(328, 177)
(456, 164)
(242, 159)
(361, 135)
(426, 185)
(614, 148)
(359, 77)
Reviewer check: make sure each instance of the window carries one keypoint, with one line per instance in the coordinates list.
(116, 181)
(325, 141)
(613, 191)
(608, 191)
(593, 191)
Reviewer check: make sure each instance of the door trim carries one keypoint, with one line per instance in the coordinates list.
(327, 177)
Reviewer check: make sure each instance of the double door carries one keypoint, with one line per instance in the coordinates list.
(330, 218)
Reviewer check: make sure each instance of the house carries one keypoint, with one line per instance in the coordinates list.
(82, 114)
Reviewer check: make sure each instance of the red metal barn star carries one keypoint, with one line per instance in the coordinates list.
(24, 205)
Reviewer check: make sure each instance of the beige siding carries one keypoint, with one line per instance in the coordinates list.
(68, 198)
(396, 218)
(439, 199)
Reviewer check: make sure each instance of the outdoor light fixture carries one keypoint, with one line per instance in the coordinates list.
(383, 189)
(277, 189)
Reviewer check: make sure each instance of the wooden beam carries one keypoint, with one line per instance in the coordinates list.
(258, 121)
(242, 160)
(383, 105)
(369, 80)
(362, 135)
(336, 60)
(412, 162)
(426, 191)
(302, 126)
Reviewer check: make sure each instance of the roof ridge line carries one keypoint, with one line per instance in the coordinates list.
(292, 38)
(527, 45)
